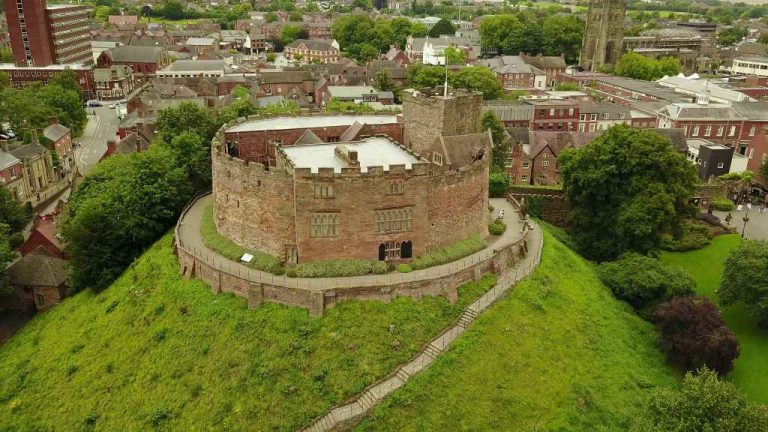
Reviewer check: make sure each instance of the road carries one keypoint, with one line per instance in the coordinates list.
(93, 142)
(757, 226)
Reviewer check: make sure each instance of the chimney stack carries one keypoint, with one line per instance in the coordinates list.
(54, 120)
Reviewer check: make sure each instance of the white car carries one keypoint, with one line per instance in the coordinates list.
(112, 106)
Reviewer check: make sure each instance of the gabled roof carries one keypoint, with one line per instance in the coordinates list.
(462, 150)
(692, 111)
(286, 77)
(313, 44)
(545, 62)
(676, 136)
(55, 132)
(7, 160)
(613, 110)
(350, 91)
(510, 111)
(752, 110)
(38, 268)
(135, 54)
(352, 132)
(308, 137)
(29, 150)
(200, 41)
(558, 140)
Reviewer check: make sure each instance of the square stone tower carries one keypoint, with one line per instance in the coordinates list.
(428, 115)
(604, 33)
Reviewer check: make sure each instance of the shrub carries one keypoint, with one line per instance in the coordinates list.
(722, 204)
(340, 268)
(291, 273)
(457, 250)
(644, 281)
(15, 240)
(498, 184)
(693, 334)
(709, 218)
(745, 278)
(404, 268)
(703, 403)
(694, 235)
(497, 227)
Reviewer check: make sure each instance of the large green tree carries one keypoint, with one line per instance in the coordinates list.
(745, 279)
(291, 33)
(702, 404)
(187, 117)
(501, 145)
(477, 78)
(624, 189)
(12, 213)
(562, 34)
(638, 66)
(121, 207)
(6, 256)
(442, 27)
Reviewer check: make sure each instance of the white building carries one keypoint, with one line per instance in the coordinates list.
(750, 65)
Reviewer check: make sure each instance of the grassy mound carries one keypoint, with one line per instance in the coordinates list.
(559, 354)
(157, 351)
(706, 265)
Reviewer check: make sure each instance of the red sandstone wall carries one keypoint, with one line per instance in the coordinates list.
(253, 207)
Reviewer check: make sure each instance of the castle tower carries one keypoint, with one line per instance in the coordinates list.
(604, 33)
(429, 115)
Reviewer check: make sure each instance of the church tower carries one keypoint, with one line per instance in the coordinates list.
(604, 33)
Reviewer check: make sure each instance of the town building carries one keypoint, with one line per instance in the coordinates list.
(711, 159)
(427, 50)
(719, 123)
(683, 44)
(20, 76)
(363, 194)
(750, 65)
(202, 46)
(313, 51)
(115, 82)
(195, 69)
(356, 94)
(595, 116)
(61, 143)
(43, 35)
(602, 41)
(44, 233)
(551, 65)
(122, 20)
(554, 115)
(143, 61)
(12, 175)
(38, 279)
(37, 171)
(515, 73)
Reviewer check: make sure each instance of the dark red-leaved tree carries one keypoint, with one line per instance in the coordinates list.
(693, 334)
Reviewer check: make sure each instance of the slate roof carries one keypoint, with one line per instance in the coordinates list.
(510, 111)
(462, 150)
(105, 74)
(199, 65)
(313, 44)
(676, 136)
(350, 91)
(510, 64)
(135, 54)
(286, 77)
(269, 100)
(558, 141)
(752, 110)
(308, 137)
(200, 41)
(614, 111)
(38, 268)
(351, 133)
(55, 132)
(29, 151)
(545, 62)
(7, 160)
(692, 111)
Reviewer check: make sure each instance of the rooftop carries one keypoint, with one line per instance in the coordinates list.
(7, 159)
(284, 123)
(377, 151)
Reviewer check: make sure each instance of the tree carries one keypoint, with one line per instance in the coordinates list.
(121, 207)
(643, 281)
(349, 30)
(101, 13)
(730, 36)
(187, 117)
(501, 145)
(271, 57)
(562, 35)
(763, 39)
(173, 10)
(66, 80)
(624, 189)
(6, 257)
(454, 56)
(496, 31)
(693, 334)
(366, 53)
(702, 404)
(271, 17)
(424, 76)
(478, 78)
(193, 154)
(298, 57)
(12, 214)
(6, 55)
(442, 27)
(383, 82)
(5, 81)
(295, 16)
(362, 4)
(745, 279)
(291, 33)
(498, 184)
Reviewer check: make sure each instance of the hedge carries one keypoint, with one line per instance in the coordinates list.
(497, 227)
(339, 268)
(722, 204)
(450, 253)
(404, 268)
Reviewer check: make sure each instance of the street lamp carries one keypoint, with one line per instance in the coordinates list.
(745, 219)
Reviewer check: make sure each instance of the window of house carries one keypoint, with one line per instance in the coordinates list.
(545, 163)
(39, 299)
(708, 131)
(394, 220)
(395, 187)
(752, 131)
(525, 165)
(732, 131)
(720, 164)
(582, 117)
(570, 112)
(696, 130)
(437, 158)
(542, 113)
(720, 131)
(593, 117)
(591, 127)
(510, 162)
(524, 178)
(559, 125)
(323, 190)
(582, 127)
(606, 116)
(551, 112)
(324, 225)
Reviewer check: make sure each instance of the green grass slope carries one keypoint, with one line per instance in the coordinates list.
(155, 351)
(560, 354)
(706, 265)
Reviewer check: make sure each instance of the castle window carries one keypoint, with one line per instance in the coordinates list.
(396, 187)
(392, 250)
(394, 220)
(324, 225)
(323, 190)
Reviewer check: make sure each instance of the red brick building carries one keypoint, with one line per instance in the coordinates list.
(22, 76)
(144, 61)
(43, 35)
(39, 279)
(555, 115)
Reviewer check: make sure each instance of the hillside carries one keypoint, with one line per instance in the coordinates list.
(155, 351)
(559, 354)
(750, 372)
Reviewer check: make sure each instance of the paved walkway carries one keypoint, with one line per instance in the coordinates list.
(354, 410)
(757, 226)
(189, 239)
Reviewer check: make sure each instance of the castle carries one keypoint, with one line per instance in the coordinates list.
(369, 187)
(604, 33)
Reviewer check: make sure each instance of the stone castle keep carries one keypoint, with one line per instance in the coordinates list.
(366, 187)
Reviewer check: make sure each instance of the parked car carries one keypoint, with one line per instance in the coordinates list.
(3, 136)
(93, 104)
(112, 106)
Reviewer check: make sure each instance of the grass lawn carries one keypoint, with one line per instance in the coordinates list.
(156, 351)
(706, 266)
(561, 353)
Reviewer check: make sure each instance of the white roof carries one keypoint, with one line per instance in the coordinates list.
(376, 151)
(7, 159)
(283, 123)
